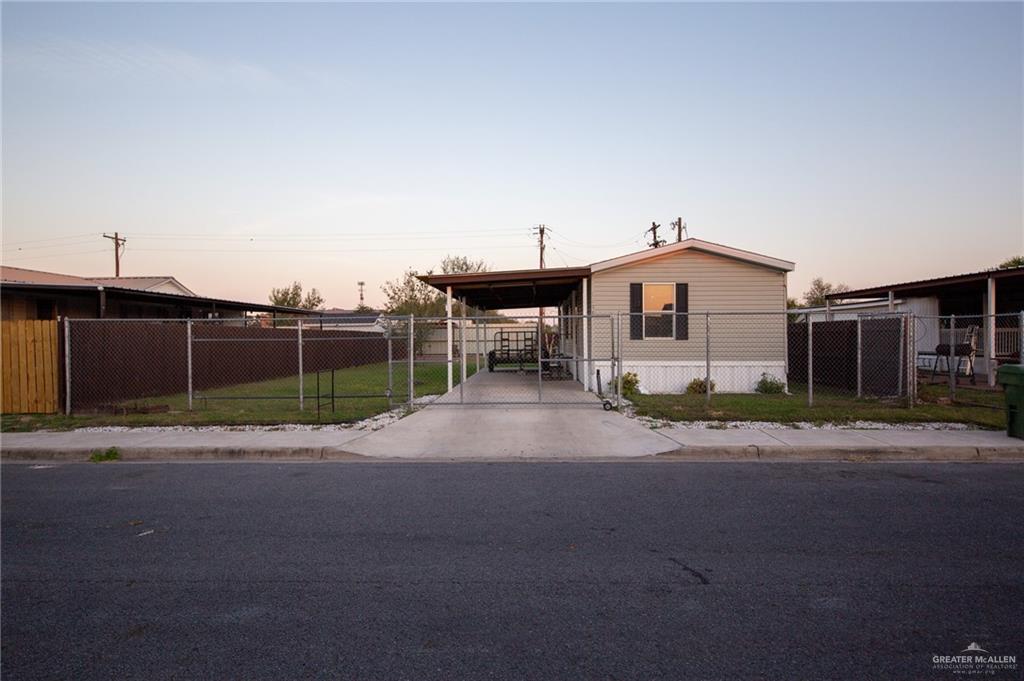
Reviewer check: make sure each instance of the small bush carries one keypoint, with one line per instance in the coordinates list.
(698, 387)
(769, 385)
(630, 384)
(110, 455)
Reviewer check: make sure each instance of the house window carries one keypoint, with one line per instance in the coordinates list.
(659, 298)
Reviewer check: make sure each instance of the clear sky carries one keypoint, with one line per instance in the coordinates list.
(243, 146)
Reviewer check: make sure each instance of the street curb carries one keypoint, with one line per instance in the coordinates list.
(949, 453)
(13, 454)
(751, 453)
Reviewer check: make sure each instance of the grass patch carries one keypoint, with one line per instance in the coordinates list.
(264, 402)
(111, 454)
(983, 408)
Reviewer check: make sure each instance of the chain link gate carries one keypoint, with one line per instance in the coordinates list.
(511, 360)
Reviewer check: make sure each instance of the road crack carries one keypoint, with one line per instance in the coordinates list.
(696, 573)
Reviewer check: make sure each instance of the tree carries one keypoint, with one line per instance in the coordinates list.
(815, 295)
(291, 296)
(460, 264)
(1015, 261)
(408, 295)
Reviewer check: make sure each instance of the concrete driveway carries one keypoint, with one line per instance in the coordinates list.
(573, 424)
(506, 387)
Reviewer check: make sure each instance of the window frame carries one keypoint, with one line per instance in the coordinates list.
(643, 312)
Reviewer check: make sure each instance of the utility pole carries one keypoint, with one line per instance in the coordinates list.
(118, 249)
(653, 231)
(680, 229)
(540, 231)
(361, 285)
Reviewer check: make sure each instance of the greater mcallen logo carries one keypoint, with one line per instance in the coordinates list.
(975, 660)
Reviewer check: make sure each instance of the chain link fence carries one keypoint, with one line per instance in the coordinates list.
(958, 356)
(261, 369)
(274, 370)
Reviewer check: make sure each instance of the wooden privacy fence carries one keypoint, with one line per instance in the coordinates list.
(31, 371)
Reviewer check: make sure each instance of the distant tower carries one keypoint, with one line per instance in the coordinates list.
(361, 285)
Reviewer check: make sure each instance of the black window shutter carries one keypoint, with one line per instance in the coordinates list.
(682, 310)
(636, 308)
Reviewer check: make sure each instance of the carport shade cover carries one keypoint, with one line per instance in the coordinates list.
(511, 288)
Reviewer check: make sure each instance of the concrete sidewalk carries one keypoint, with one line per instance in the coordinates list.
(495, 434)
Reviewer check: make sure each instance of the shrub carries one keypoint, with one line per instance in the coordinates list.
(110, 455)
(698, 387)
(769, 385)
(630, 384)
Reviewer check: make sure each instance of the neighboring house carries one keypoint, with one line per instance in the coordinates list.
(990, 300)
(33, 294)
(665, 350)
(354, 320)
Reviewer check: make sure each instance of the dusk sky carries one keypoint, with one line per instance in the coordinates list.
(243, 146)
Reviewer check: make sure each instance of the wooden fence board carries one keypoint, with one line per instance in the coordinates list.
(6, 399)
(29, 367)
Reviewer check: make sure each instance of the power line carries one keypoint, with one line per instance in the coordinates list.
(235, 251)
(75, 242)
(52, 238)
(54, 255)
(573, 242)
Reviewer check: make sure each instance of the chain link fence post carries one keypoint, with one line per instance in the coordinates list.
(707, 358)
(462, 359)
(410, 352)
(810, 360)
(911, 360)
(618, 373)
(540, 359)
(950, 366)
(391, 376)
(188, 335)
(68, 367)
(1020, 338)
(302, 391)
(860, 365)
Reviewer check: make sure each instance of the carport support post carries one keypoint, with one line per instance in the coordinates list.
(810, 360)
(188, 334)
(448, 311)
(302, 391)
(859, 361)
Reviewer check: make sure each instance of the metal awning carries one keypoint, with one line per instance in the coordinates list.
(960, 284)
(511, 288)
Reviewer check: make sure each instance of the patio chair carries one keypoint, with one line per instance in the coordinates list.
(963, 348)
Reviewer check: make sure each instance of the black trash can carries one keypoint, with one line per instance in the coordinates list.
(1011, 377)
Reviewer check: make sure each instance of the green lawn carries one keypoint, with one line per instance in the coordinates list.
(266, 402)
(830, 408)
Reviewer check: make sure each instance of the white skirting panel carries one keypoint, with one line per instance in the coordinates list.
(673, 377)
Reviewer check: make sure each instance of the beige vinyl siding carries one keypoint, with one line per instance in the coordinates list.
(716, 284)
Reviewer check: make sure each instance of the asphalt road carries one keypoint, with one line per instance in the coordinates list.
(508, 571)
